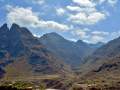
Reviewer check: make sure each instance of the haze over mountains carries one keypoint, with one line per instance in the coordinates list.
(22, 54)
(71, 52)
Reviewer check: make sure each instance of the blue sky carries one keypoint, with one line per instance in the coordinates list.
(89, 20)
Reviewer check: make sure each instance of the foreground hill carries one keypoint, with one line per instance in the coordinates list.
(104, 64)
(70, 52)
(21, 54)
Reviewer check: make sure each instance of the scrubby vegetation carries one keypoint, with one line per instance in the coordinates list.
(19, 85)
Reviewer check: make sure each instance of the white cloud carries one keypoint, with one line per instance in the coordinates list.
(112, 2)
(98, 36)
(93, 3)
(60, 11)
(96, 39)
(85, 15)
(40, 2)
(100, 1)
(83, 18)
(85, 12)
(109, 2)
(81, 33)
(72, 39)
(115, 34)
(52, 25)
(36, 35)
(90, 36)
(26, 17)
(99, 33)
(86, 3)
(73, 8)
(80, 9)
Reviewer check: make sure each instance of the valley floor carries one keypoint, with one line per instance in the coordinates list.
(56, 83)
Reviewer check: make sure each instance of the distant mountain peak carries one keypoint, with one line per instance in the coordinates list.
(15, 28)
(52, 34)
(15, 25)
(4, 28)
(80, 41)
(70, 52)
(4, 25)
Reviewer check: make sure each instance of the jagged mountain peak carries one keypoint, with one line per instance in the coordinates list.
(14, 25)
(4, 28)
(4, 25)
(16, 29)
(19, 42)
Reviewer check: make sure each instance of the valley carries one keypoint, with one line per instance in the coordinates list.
(53, 62)
(59, 44)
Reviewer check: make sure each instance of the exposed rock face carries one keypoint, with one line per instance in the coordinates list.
(20, 49)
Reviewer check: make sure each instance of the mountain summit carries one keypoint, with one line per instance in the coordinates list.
(21, 54)
(70, 52)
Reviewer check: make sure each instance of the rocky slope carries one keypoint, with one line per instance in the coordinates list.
(70, 52)
(21, 54)
(104, 63)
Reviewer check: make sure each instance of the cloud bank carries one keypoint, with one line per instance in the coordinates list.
(26, 17)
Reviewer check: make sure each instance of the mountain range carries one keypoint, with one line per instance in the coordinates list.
(104, 63)
(21, 54)
(72, 53)
(24, 55)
